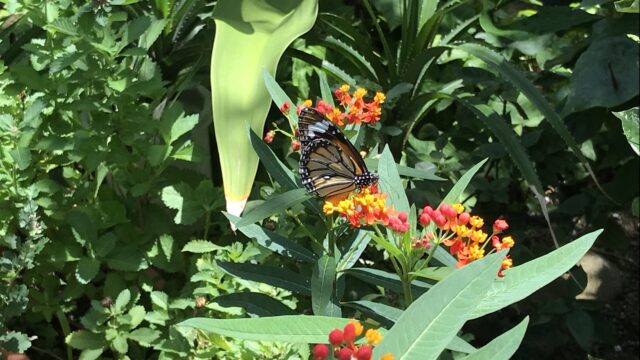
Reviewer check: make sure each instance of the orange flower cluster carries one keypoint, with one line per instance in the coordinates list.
(463, 233)
(344, 347)
(362, 208)
(356, 109)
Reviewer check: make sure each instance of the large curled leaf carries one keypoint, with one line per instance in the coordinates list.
(250, 37)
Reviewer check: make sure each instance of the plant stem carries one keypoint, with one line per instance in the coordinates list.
(406, 289)
(207, 224)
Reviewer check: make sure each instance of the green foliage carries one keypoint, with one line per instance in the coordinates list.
(112, 239)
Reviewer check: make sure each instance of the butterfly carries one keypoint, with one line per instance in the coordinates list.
(330, 166)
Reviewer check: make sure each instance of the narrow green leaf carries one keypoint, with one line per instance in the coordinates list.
(432, 321)
(434, 273)
(322, 284)
(275, 205)
(255, 303)
(386, 280)
(274, 241)
(426, 174)
(390, 181)
(275, 276)
(502, 347)
(101, 173)
(523, 280)
(297, 329)
(327, 66)
(456, 191)
(279, 171)
(325, 90)
(279, 97)
(384, 314)
(353, 251)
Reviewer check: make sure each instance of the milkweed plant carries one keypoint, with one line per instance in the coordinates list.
(450, 265)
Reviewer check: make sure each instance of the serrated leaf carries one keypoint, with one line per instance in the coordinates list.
(153, 32)
(122, 300)
(201, 247)
(144, 336)
(160, 299)
(181, 126)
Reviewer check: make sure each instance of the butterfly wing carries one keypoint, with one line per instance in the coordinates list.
(330, 166)
(313, 125)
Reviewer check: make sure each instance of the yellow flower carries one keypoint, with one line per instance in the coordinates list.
(478, 236)
(328, 208)
(379, 98)
(476, 252)
(462, 231)
(358, 327)
(506, 263)
(458, 207)
(373, 336)
(476, 221)
(307, 103)
(508, 242)
(345, 88)
(387, 356)
(359, 93)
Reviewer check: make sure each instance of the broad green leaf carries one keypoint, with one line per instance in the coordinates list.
(523, 280)
(257, 33)
(605, 74)
(160, 299)
(119, 344)
(631, 126)
(390, 181)
(384, 314)
(200, 247)
(580, 325)
(84, 339)
(123, 299)
(434, 273)
(21, 157)
(274, 241)
(144, 336)
(17, 342)
(502, 347)
(628, 6)
(255, 303)
(323, 277)
(87, 269)
(274, 276)
(275, 205)
(297, 329)
(90, 354)
(432, 321)
(181, 126)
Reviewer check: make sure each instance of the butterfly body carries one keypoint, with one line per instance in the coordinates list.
(330, 166)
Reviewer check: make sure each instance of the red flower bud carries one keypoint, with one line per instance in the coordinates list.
(320, 352)
(336, 337)
(284, 109)
(500, 226)
(448, 211)
(403, 217)
(429, 210)
(268, 137)
(349, 332)
(495, 242)
(463, 218)
(364, 353)
(424, 219)
(344, 354)
(295, 145)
